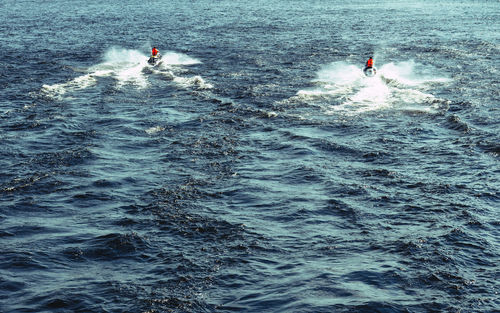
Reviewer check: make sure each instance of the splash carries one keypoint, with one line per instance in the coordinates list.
(127, 68)
(340, 86)
(122, 64)
(172, 68)
(173, 58)
(126, 65)
(57, 91)
(411, 74)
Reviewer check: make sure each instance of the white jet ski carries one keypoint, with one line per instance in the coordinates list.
(370, 71)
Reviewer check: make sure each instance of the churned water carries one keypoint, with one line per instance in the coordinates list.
(256, 169)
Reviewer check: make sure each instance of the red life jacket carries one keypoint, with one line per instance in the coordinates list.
(154, 52)
(369, 63)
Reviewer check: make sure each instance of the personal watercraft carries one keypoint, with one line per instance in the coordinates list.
(370, 71)
(154, 59)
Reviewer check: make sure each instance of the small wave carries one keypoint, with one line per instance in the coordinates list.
(22, 260)
(490, 147)
(455, 123)
(115, 245)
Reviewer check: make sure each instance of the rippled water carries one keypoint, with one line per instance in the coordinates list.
(256, 169)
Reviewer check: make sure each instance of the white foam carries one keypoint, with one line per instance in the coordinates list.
(343, 87)
(56, 91)
(170, 68)
(123, 56)
(339, 73)
(154, 130)
(371, 92)
(126, 66)
(410, 73)
(173, 58)
(131, 75)
(196, 81)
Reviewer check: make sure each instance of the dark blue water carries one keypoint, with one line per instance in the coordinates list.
(256, 169)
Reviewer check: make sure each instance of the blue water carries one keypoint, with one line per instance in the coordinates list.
(255, 169)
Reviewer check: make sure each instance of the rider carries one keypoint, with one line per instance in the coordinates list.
(369, 63)
(155, 52)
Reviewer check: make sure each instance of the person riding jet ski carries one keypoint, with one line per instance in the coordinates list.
(155, 56)
(369, 63)
(369, 69)
(155, 51)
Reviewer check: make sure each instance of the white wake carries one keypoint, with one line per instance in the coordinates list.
(340, 86)
(128, 68)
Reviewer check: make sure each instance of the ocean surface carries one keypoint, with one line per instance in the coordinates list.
(256, 169)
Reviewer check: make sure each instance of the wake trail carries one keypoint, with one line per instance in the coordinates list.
(342, 87)
(128, 67)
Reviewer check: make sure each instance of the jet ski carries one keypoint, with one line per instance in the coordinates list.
(370, 71)
(154, 59)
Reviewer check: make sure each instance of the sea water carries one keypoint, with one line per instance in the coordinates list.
(256, 169)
